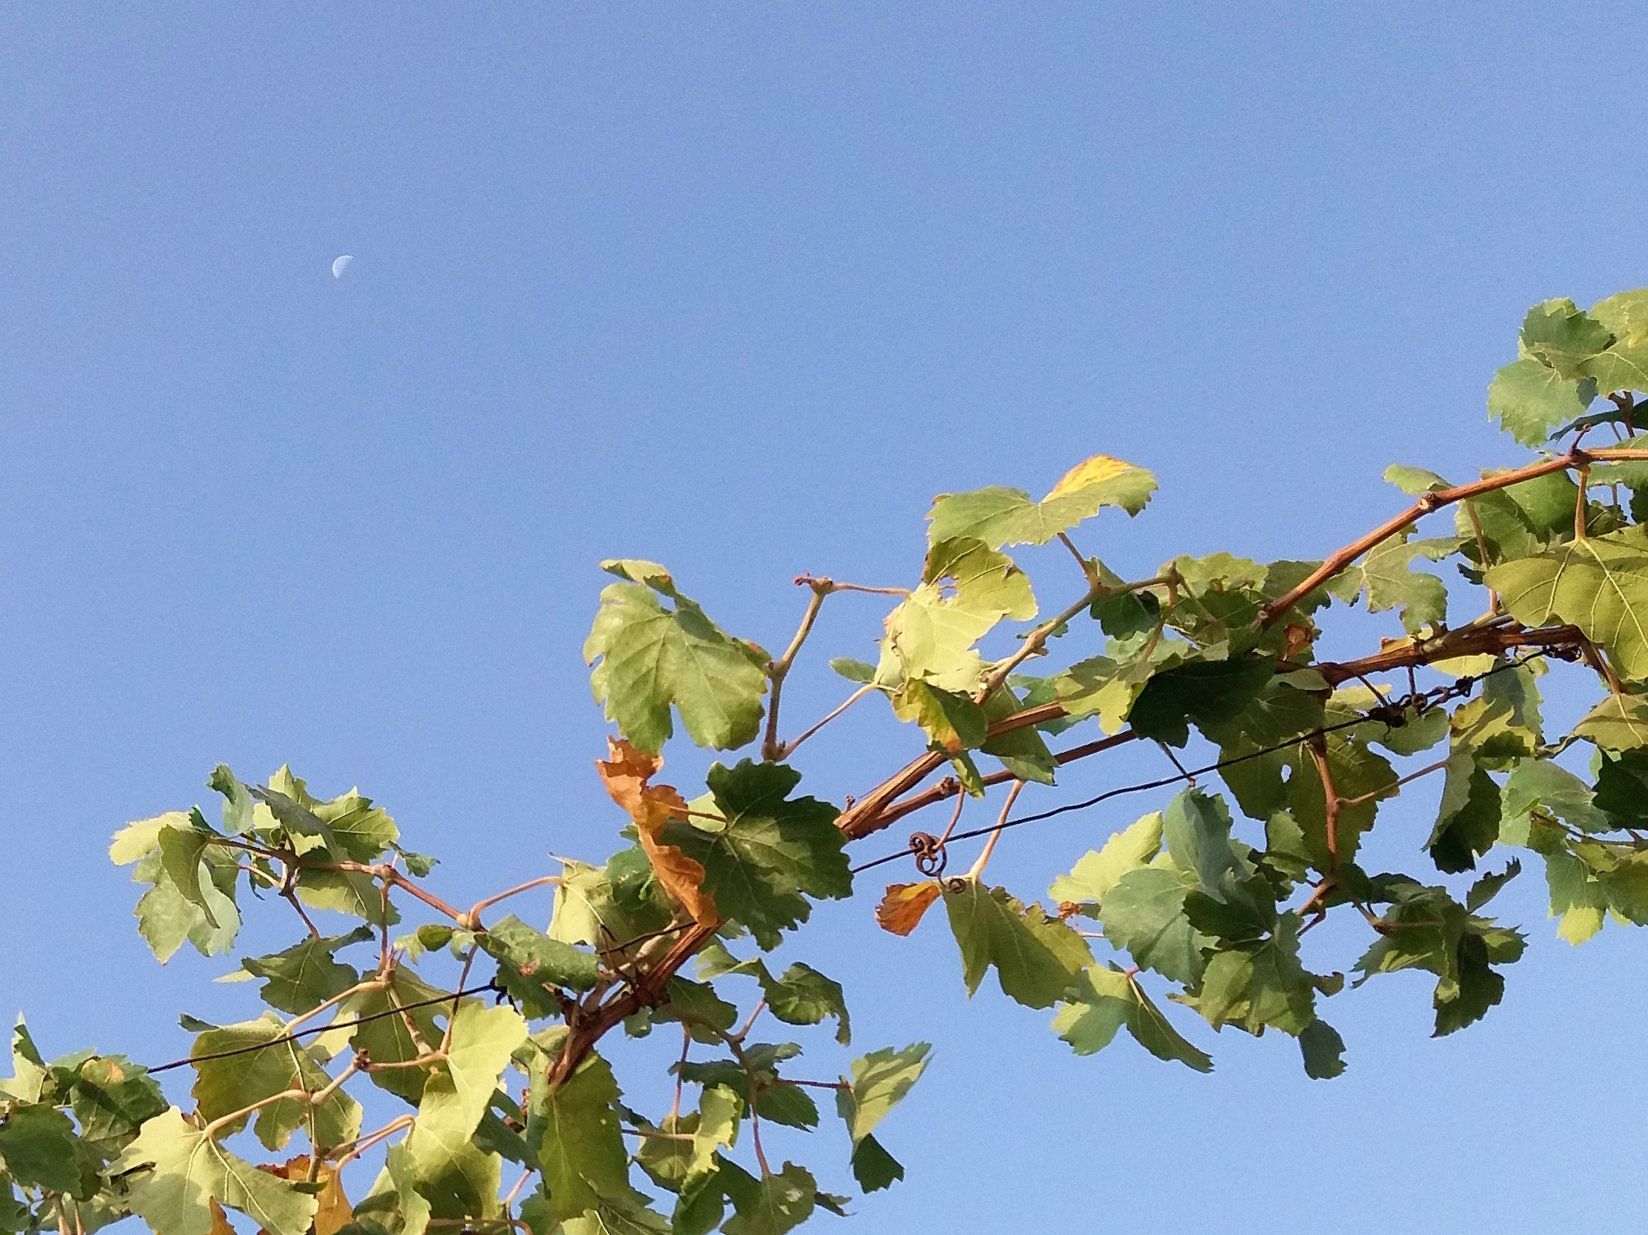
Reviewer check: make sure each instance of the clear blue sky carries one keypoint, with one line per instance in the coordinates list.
(739, 288)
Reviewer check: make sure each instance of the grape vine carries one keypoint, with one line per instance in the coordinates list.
(484, 1033)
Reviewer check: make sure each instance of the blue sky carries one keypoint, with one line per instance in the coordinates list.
(739, 288)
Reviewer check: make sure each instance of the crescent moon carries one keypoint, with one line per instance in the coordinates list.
(341, 264)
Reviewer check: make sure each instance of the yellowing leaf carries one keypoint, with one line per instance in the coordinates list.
(904, 905)
(1000, 516)
(334, 1212)
(1092, 471)
(625, 775)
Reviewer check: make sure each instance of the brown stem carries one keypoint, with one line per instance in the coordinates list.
(1428, 502)
(1318, 747)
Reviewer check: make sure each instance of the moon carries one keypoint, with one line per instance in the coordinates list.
(339, 265)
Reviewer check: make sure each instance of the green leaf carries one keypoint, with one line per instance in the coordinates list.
(1022, 752)
(853, 670)
(1260, 984)
(1518, 520)
(1203, 692)
(775, 1100)
(1530, 399)
(878, 1083)
(531, 965)
(1036, 957)
(950, 719)
(387, 1039)
(1425, 928)
(1000, 516)
(1562, 337)
(1387, 578)
(1599, 584)
(39, 1148)
(610, 905)
(1622, 783)
(980, 579)
(1144, 915)
(1097, 871)
(1323, 1049)
(873, 1167)
(1102, 687)
(462, 1085)
(803, 996)
(773, 1205)
(111, 1097)
(1414, 480)
(652, 658)
(1487, 887)
(345, 828)
(28, 1078)
(1618, 723)
(174, 1172)
(1467, 824)
(1107, 999)
(306, 975)
(236, 1081)
(772, 852)
(573, 1128)
(684, 1157)
(202, 910)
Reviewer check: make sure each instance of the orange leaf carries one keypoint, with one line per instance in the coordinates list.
(334, 1212)
(220, 1220)
(901, 909)
(625, 775)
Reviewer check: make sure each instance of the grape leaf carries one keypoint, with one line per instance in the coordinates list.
(1144, 915)
(1530, 399)
(176, 1172)
(774, 1204)
(307, 974)
(1105, 1000)
(878, 1082)
(39, 1148)
(1599, 584)
(1036, 957)
(771, 853)
(573, 1130)
(1000, 516)
(231, 1083)
(459, 1089)
(1099, 870)
(652, 658)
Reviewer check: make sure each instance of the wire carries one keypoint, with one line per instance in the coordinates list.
(305, 1033)
(1420, 701)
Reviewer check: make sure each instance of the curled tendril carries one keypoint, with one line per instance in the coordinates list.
(929, 852)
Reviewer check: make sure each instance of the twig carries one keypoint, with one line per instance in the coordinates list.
(1435, 500)
(1087, 569)
(788, 748)
(475, 910)
(1318, 747)
(772, 749)
(1001, 822)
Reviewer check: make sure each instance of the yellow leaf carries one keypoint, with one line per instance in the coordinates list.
(1091, 471)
